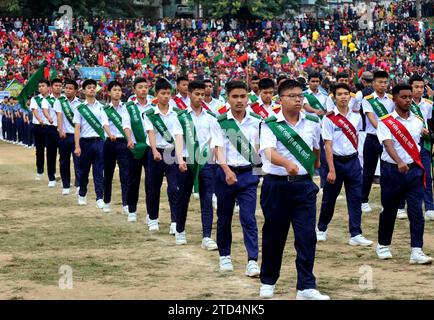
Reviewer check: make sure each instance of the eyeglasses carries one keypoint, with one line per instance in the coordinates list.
(293, 96)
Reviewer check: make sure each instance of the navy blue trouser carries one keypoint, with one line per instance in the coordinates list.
(206, 189)
(372, 149)
(20, 128)
(394, 186)
(349, 173)
(66, 149)
(244, 191)
(51, 143)
(284, 203)
(13, 130)
(427, 194)
(39, 132)
(134, 176)
(31, 134)
(116, 152)
(155, 172)
(323, 170)
(4, 127)
(92, 155)
(25, 134)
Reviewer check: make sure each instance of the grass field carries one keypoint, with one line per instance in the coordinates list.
(41, 230)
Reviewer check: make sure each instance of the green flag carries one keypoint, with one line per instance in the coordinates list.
(218, 57)
(31, 86)
(285, 59)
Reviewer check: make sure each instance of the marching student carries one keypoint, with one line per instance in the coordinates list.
(340, 133)
(89, 143)
(265, 106)
(208, 101)
(39, 122)
(66, 107)
(344, 78)
(164, 131)
(133, 121)
(51, 134)
(181, 100)
(254, 87)
(197, 124)
(115, 147)
(422, 108)
(402, 174)
(375, 106)
(236, 141)
(289, 146)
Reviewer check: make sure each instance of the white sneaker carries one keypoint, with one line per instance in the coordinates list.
(360, 240)
(321, 236)
(252, 269)
(226, 264)
(383, 252)
(418, 257)
(402, 214)
(39, 176)
(209, 244)
(125, 210)
(266, 291)
(66, 191)
(132, 217)
(180, 238)
(214, 201)
(106, 208)
(429, 215)
(311, 294)
(100, 203)
(51, 184)
(77, 190)
(366, 207)
(172, 229)
(153, 225)
(82, 201)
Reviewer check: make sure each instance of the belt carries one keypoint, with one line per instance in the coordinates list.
(346, 158)
(91, 139)
(393, 165)
(274, 177)
(118, 140)
(69, 134)
(241, 169)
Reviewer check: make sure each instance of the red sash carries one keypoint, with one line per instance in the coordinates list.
(405, 140)
(347, 128)
(260, 110)
(181, 105)
(205, 106)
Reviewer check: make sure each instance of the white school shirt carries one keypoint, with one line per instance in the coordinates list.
(249, 126)
(324, 99)
(107, 122)
(269, 109)
(342, 146)
(186, 100)
(67, 127)
(86, 130)
(51, 110)
(126, 119)
(34, 106)
(214, 105)
(386, 101)
(308, 130)
(171, 121)
(425, 106)
(413, 124)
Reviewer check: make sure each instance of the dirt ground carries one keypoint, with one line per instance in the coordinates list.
(41, 230)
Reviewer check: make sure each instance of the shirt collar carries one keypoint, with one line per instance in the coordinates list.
(231, 116)
(336, 112)
(395, 115)
(157, 110)
(279, 116)
(91, 105)
(190, 110)
(376, 95)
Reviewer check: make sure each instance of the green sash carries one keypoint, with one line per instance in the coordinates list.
(416, 111)
(314, 102)
(159, 125)
(138, 130)
(38, 100)
(91, 120)
(66, 108)
(51, 100)
(115, 117)
(196, 158)
(379, 109)
(294, 143)
(241, 143)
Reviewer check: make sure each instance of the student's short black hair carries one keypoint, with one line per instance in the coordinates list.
(400, 87)
(314, 75)
(180, 79)
(162, 84)
(289, 84)
(195, 85)
(416, 77)
(266, 83)
(280, 78)
(139, 80)
(208, 81)
(337, 86)
(381, 74)
(71, 82)
(342, 75)
(255, 78)
(235, 84)
(46, 81)
(56, 80)
(113, 84)
(88, 82)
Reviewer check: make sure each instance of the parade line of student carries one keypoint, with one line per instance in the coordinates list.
(222, 150)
